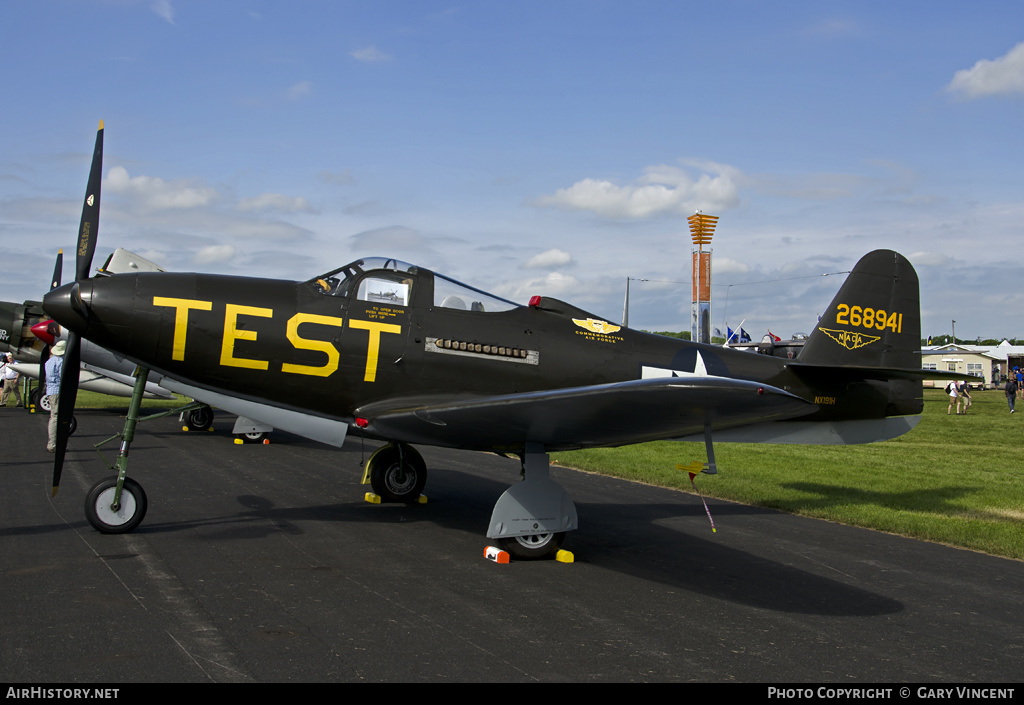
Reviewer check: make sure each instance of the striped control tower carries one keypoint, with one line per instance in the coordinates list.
(702, 227)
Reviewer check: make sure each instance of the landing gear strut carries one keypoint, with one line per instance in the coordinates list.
(118, 504)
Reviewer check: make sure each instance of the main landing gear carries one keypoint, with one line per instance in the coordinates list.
(529, 520)
(396, 472)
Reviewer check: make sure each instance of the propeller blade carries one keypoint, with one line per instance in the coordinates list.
(58, 270)
(90, 212)
(66, 404)
(87, 231)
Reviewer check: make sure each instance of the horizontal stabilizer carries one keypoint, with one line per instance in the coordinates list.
(827, 433)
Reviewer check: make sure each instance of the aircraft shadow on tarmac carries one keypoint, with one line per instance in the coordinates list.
(642, 541)
(626, 538)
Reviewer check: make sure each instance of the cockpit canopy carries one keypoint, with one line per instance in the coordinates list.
(391, 281)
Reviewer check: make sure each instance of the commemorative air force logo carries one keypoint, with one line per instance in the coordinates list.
(596, 326)
(849, 339)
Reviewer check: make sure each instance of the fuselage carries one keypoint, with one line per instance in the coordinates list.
(333, 344)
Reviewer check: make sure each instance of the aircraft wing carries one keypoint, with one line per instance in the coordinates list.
(103, 381)
(579, 417)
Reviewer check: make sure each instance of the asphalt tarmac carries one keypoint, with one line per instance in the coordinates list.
(263, 563)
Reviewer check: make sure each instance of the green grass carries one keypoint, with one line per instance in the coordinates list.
(954, 479)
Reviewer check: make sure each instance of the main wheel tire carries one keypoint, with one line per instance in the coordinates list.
(199, 419)
(397, 473)
(126, 517)
(39, 400)
(532, 546)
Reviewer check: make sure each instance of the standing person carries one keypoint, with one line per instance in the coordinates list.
(1011, 390)
(10, 381)
(965, 396)
(1020, 380)
(54, 369)
(954, 397)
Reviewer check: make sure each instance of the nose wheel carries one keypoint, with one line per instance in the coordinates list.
(111, 513)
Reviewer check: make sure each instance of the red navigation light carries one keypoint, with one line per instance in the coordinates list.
(534, 302)
(362, 423)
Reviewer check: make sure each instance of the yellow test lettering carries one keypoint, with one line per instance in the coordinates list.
(232, 333)
(301, 343)
(373, 347)
(181, 308)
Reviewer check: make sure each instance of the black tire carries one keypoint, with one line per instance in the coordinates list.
(532, 546)
(397, 473)
(125, 518)
(73, 426)
(199, 419)
(39, 400)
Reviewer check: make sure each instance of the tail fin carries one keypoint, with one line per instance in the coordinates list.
(874, 320)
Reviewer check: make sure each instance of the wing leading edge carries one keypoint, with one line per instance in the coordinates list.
(580, 417)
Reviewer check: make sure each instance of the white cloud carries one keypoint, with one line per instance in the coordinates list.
(931, 259)
(154, 193)
(164, 9)
(395, 237)
(549, 260)
(214, 254)
(1000, 76)
(726, 265)
(276, 202)
(300, 90)
(554, 284)
(663, 190)
(370, 55)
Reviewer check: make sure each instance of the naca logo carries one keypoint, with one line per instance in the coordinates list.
(849, 339)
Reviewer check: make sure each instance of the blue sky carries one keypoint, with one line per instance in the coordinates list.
(532, 147)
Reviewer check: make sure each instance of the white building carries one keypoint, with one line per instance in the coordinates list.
(988, 362)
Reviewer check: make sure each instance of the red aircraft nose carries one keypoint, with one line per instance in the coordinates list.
(46, 331)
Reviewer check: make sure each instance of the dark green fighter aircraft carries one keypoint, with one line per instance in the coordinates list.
(413, 357)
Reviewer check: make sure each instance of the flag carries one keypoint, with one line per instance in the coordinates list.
(775, 338)
(744, 336)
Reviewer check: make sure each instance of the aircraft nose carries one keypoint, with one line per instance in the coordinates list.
(69, 305)
(8, 314)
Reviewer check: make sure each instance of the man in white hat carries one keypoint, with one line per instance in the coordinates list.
(54, 368)
(10, 380)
